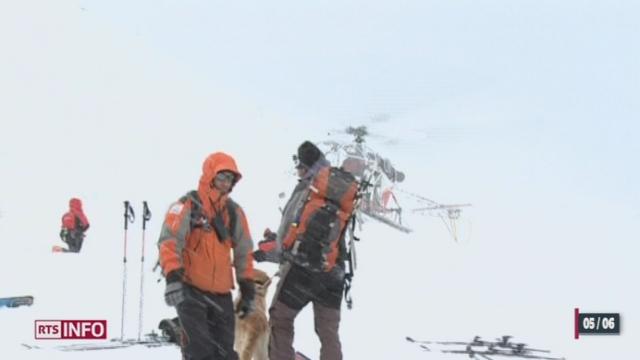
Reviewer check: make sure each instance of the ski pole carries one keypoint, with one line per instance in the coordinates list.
(129, 217)
(146, 216)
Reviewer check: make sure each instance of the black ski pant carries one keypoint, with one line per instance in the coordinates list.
(299, 286)
(208, 324)
(74, 242)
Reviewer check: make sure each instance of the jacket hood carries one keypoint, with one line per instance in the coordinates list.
(75, 204)
(212, 165)
(75, 208)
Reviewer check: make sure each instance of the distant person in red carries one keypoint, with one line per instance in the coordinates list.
(74, 225)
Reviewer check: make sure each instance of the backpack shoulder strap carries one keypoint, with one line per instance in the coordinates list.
(196, 207)
(232, 211)
(193, 196)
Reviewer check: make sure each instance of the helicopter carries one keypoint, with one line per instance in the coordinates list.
(503, 347)
(374, 171)
(381, 195)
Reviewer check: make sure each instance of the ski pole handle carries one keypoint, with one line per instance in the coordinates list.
(146, 215)
(129, 215)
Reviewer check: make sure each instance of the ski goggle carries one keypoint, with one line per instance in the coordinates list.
(227, 176)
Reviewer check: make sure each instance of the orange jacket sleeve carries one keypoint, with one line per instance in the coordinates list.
(175, 229)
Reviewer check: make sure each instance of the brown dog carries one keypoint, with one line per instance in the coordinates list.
(252, 332)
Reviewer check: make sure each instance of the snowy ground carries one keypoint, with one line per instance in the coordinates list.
(88, 286)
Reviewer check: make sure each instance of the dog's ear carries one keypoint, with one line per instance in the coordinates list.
(260, 277)
(263, 283)
(261, 288)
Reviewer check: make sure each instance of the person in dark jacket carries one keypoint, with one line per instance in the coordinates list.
(74, 226)
(299, 285)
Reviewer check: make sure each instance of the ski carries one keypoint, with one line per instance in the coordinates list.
(478, 348)
(113, 344)
(16, 301)
(150, 340)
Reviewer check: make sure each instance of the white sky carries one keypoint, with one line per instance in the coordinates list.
(530, 107)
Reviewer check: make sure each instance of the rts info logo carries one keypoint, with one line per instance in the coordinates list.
(71, 329)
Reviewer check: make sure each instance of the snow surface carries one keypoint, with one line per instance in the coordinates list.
(88, 286)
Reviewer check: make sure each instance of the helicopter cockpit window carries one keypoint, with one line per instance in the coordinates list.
(354, 165)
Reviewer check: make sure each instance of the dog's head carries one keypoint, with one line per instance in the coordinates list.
(262, 281)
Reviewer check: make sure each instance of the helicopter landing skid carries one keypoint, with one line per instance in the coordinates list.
(384, 220)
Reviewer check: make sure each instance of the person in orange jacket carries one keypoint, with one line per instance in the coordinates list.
(74, 225)
(198, 236)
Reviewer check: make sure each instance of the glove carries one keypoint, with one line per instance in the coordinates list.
(259, 256)
(267, 248)
(174, 291)
(63, 234)
(246, 305)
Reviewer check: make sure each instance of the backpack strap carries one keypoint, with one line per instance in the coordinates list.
(350, 258)
(199, 220)
(232, 211)
(350, 249)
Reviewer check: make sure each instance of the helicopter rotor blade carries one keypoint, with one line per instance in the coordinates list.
(441, 207)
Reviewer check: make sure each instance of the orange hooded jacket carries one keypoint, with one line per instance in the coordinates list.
(188, 241)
